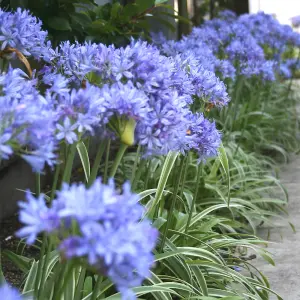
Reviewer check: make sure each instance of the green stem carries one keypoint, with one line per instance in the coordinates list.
(96, 164)
(171, 210)
(62, 281)
(120, 154)
(40, 266)
(44, 269)
(4, 65)
(2, 278)
(69, 164)
(138, 174)
(291, 80)
(97, 288)
(79, 287)
(148, 173)
(236, 99)
(37, 184)
(137, 157)
(184, 174)
(199, 175)
(55, 181)
(106, 161)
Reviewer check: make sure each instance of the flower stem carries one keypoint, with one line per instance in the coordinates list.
(2, 278)
(69, 164)
(55, 180)
(199, 176)
(106, 161)
(137, 157)
(43, 268)
(138, 174)
(40, 267)
(64, 277)
(97, 287)
(118, 159)
(184, 174)
(37, 184)
(80, 284)
(171, 210)
(96, 164)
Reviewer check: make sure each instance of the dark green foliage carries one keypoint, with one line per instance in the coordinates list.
(80, 20)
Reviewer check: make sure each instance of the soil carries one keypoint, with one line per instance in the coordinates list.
(13, 275)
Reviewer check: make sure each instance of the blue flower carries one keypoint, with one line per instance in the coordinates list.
(296, 21)
(67, 131)
(27, 117)
(7, 292)
(210, 87)
(36, 217)
(5, 149)
(22, 31)
(111, 234)
(43, 155)
(203, 137)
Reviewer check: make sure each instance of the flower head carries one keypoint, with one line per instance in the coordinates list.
(22, 31)
(108, 231)
(36, 217)
(9, 293)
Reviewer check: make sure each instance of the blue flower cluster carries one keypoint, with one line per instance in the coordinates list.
(137, 84)
(26, 121)
(98, 224)
(133, 93)
(22, 31)
(9, 293)
(296, 21)
(249, 45)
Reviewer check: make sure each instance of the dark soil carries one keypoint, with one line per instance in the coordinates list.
(8, 241)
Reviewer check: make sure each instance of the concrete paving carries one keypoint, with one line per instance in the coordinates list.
(284, 243)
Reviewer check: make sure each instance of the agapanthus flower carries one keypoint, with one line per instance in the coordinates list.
(203, 137)
(5, 149)
(210, 87)
(110, 233)
(36, 217)
(26, 118)
(44, 155)
(79, 60)
(227, 14)
(166, 119)
(7, 292)
(67, 131)
(296, 21)
(22, 31)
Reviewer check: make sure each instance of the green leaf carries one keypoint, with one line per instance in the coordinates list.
(30, 279)
(266, 256)
(81, 18)
(165, 173)
(59, 23)
(176, 16)
(85, 161)
(129, 11)
(143, 5)
(22, 262)
(88, 286)
(159, 222)
(115, 10)
(2, 279)
(160, 1)
(224, 162)
(190, 251)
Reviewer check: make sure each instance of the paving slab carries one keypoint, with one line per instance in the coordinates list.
(284, 244)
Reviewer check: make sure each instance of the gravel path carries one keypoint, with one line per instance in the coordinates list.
(284, 243)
